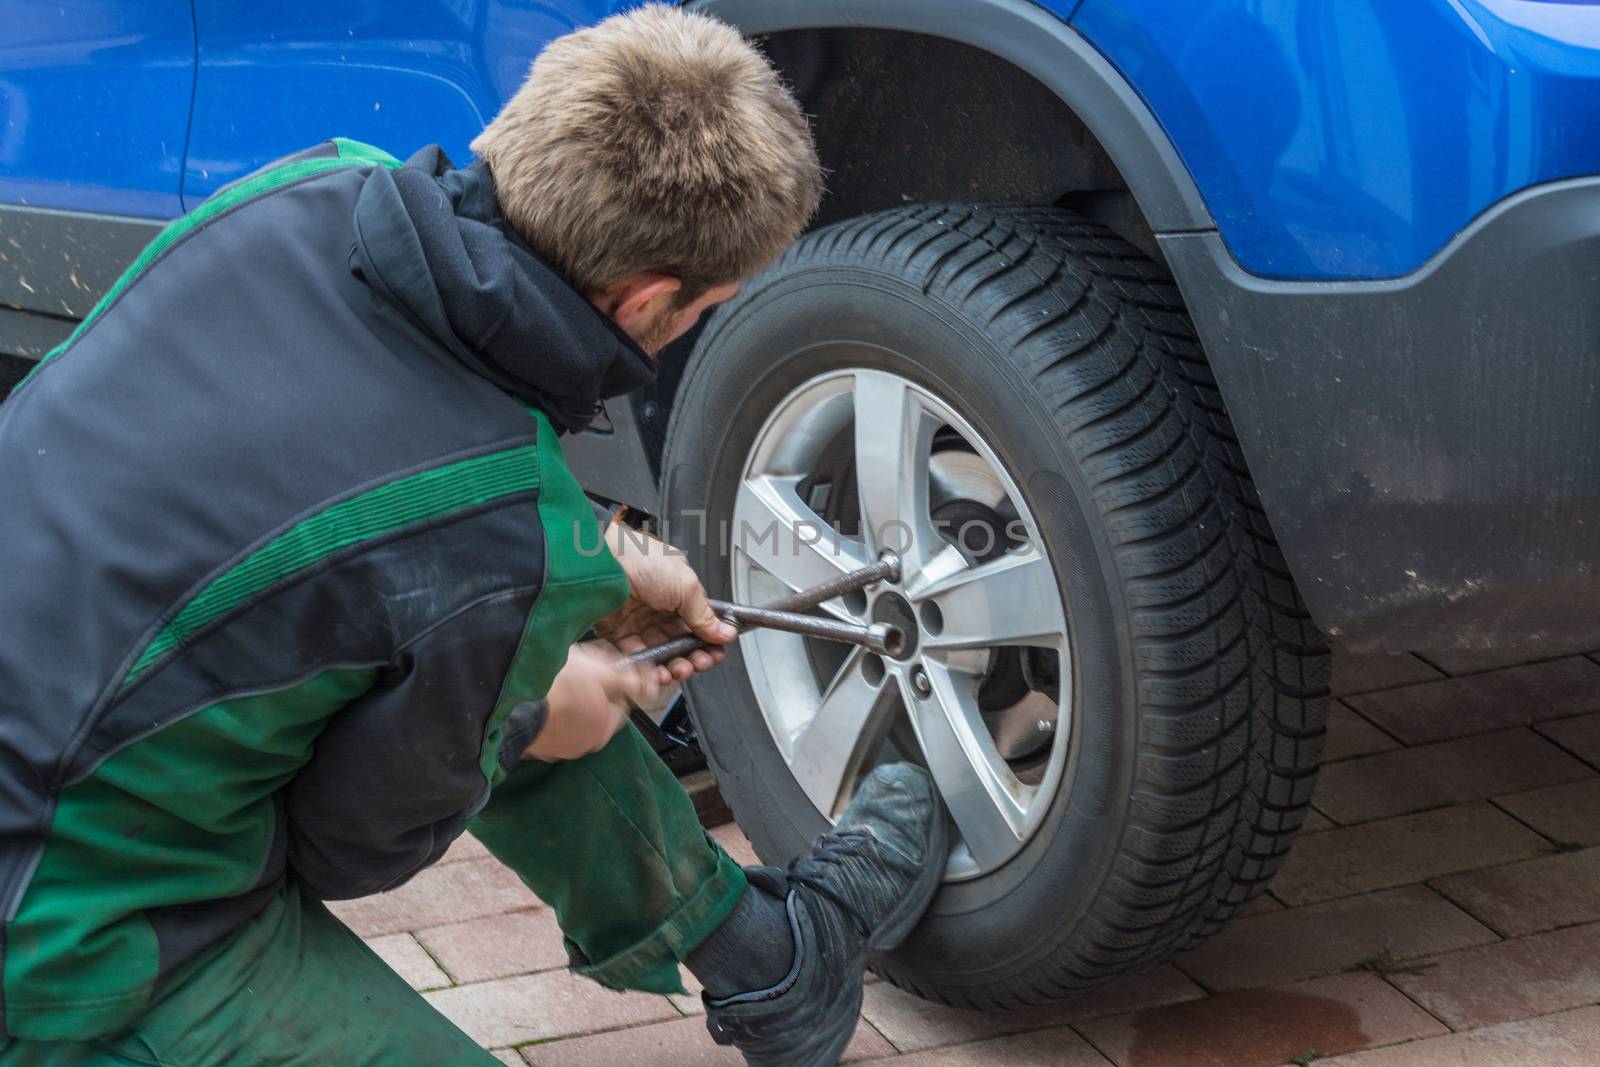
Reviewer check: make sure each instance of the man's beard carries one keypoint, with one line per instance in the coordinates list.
(654, 337)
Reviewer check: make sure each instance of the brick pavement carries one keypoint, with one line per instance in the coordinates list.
(1442, 908)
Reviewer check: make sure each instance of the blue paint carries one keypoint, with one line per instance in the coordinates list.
(1329, 138)
(94, 104)
(95, 95)
(1355, 138)
(276, 77)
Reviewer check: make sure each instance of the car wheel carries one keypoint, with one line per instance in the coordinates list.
(1110, 674)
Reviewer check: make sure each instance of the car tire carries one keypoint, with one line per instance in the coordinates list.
(1199, 683)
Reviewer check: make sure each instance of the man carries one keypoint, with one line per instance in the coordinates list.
(293, 572)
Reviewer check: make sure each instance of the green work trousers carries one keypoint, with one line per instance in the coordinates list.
(611, 842)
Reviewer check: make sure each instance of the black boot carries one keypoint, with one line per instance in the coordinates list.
(854, 897)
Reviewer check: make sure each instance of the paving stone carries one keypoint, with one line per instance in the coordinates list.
(912, 1024)
(1266, 902)
(1262, 1027)
(1566, 1039)
(406, 958)
(1479, 703)
(1539, 894)
(1360, 672)
(679, 1043)
(465, 847)
(1510, 980)
(536, 1007)
(509, 1056)
(1449, 772)
(1472, 660)
(689, 1001)
(1316, 822)
(1041, 1048)
(1411, 848)
(1351, 735)
(497, 946)
(1328, 938)
(1579, 735)
(441, 894)
(1568, 812)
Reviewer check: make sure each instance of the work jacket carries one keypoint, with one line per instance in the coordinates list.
(288, 555)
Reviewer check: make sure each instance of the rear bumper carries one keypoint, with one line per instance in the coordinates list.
(1427, 448)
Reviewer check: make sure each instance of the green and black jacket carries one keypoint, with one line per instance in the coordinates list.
(287, 550)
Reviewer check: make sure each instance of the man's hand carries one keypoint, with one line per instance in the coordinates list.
(668, 600)
(588, 702)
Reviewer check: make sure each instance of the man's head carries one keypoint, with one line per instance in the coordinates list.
(656, 159)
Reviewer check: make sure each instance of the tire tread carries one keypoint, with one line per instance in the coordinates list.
(1221, 637)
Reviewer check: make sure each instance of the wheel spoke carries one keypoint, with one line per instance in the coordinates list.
(983, 796)
(864, 438)
(830, 748)
(1012, 600)
(893, 439)
(780, 534)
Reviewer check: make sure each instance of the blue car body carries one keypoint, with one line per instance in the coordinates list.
(1327, 179)
(1330, 139)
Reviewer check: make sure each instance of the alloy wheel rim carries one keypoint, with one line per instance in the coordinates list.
(925, 485)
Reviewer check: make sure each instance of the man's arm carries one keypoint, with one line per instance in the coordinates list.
(587, 705)
(398, 772)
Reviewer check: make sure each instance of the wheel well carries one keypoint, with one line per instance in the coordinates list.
(906, 117)
(903, 115)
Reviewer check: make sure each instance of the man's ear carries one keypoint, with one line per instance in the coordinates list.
(635, 302)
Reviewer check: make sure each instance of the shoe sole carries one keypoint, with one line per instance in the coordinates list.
(899, 923)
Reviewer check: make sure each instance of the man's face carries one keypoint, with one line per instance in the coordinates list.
(672, 322)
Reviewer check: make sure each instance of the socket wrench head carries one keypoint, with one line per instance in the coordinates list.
(886, 639)
(890, 562)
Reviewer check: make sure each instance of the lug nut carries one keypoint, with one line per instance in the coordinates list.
(920, 682)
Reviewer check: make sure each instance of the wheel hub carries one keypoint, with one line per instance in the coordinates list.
(896, 610)
(849, 465)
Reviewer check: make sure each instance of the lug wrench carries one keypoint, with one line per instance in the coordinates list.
(783, 614)
(879, 637)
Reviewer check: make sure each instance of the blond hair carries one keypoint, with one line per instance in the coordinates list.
(658, 140)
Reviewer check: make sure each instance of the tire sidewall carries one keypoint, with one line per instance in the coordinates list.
(807, 319)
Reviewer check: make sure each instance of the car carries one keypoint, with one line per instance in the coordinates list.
(1161, 342)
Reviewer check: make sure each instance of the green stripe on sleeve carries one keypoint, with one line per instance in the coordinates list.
(358, 150)
(583, 582)
(413, 499)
